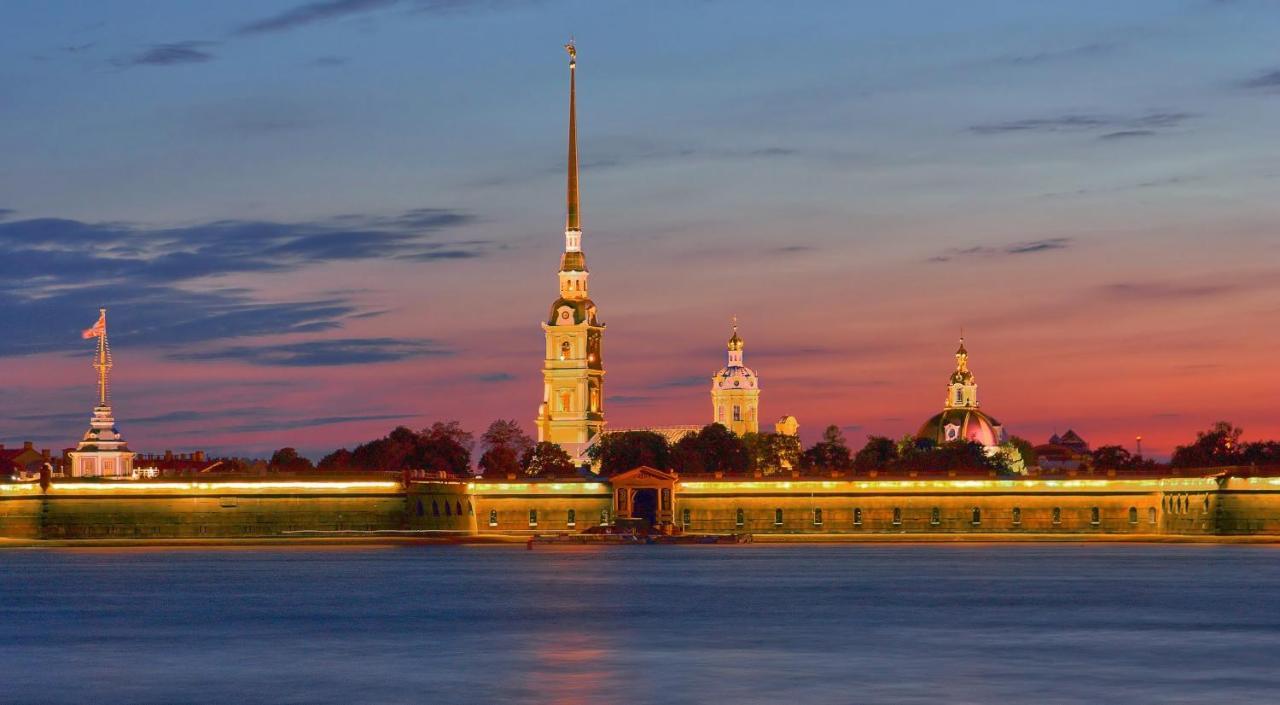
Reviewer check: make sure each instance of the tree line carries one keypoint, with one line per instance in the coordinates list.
(506, 451)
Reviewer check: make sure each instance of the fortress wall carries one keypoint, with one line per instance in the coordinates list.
(509, 506)
(440, 506)
(20, 513)
(1248, 506)
(216, 510)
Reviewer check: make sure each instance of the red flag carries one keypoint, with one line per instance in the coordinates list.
(98, 330)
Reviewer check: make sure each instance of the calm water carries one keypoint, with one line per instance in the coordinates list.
(722, 624)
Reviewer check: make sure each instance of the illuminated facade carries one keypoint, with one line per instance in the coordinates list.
(102, 452)
(572, 409)
(735, 392)
(960, 418)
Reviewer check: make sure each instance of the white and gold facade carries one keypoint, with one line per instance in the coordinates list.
(735, 392)
(572, 410)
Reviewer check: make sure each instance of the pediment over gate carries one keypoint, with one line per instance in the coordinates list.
(643, 476)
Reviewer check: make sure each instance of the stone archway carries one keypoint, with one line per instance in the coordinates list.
(644, 497)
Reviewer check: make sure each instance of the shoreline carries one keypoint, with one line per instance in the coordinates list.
(516, 540)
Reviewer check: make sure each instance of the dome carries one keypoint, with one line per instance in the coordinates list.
(962, 424)
(736, 377)
(736, 342)
(583, 310)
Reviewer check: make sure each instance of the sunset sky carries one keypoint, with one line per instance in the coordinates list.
(313, 222)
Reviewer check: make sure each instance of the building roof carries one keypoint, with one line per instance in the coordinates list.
(969, 424)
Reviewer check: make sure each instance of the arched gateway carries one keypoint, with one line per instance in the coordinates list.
(644, 497)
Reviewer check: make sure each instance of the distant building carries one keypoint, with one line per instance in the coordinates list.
(960, 418)
(174, 464)
(735, 392)
(24, 462)
(1066, 452)
(102, 452)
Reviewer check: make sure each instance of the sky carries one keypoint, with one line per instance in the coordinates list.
(312, 222)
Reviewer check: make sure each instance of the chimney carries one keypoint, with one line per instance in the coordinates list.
(28, 445)
(168, 455)
(198, 456)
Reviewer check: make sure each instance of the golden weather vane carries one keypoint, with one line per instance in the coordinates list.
(572, 49)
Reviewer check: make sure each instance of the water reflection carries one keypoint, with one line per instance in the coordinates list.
(820, 624)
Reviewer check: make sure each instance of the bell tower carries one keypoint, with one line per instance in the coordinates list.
(735, 391)
(572, 410)
(962, 391)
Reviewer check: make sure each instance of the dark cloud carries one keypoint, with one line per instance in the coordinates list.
(494, 377)
(1086, 123)
(6, 212)
(1265, 81)
(1017, 248)
(170, 55)
(681, 382)
(1042, 57)
(292, 424)
(1125, 134)
(791, 249)
(322, 353)
(1168, 290)
(312, 13)
(143, 274)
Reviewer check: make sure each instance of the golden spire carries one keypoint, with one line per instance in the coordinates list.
(102, 361)
(571, 215)
(962, 375)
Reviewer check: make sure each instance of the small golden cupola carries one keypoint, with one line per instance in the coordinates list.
(960, 418)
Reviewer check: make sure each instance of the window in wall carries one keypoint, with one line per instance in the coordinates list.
(817, 516)
(572, 519)
(1095, 516)
(1017, 516)
(857, 516)
(435, 508)
(685, 517)
(533, 517)
(977, 516)
(737, 413)
(565, 350)
(935, 516)
(897, 516)
(1151, 515)
(740, 519)
(1057, 515)
(777, 517)
(720, 414)
(1133, 515)
(448, 510)
(493, 517)
(959, 396)
(565, 398)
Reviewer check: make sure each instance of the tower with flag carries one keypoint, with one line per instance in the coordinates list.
(102, 452)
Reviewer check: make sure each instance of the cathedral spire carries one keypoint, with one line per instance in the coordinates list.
(962, 390)
(571, 223)
(102, 358)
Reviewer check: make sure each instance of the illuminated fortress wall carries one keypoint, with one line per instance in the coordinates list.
(1146, 507)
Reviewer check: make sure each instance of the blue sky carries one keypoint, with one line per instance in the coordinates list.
(361, 200)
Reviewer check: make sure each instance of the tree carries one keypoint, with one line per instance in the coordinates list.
(1218, 446)
(339, 459)
(288, 460)
(547, 459)
(880, 452)
(830, 453)
(952, 456)
(443, 447)
(1026, 449)
(1112, 458)
(505, 443)
(714, 448)
(626, 450)
(769, 453)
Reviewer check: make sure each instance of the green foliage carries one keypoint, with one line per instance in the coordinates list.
(626, 450)
(714, 448)
(288, 460)
(1026, 449)
(830, 453)
(442, 447)
(1218, 446)
(769, 453)
(879, 453)
(505, 443)
(547, 459)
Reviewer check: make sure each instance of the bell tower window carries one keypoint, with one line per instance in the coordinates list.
(565, 350)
